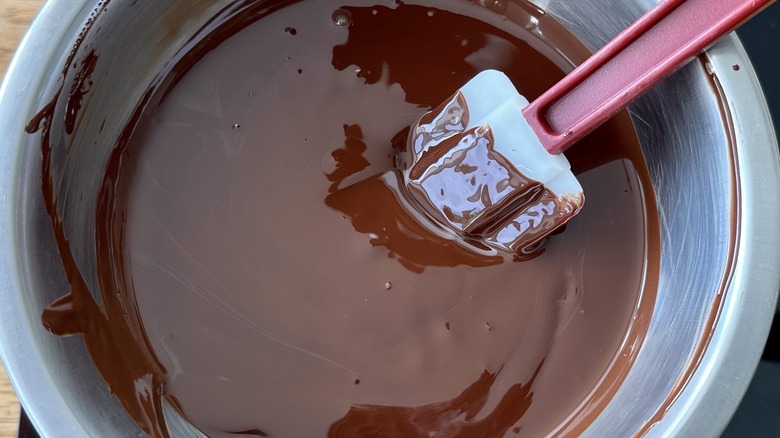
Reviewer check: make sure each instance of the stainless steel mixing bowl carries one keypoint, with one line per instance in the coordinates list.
(706, 133)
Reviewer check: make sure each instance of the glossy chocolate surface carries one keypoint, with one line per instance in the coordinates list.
(263, 271)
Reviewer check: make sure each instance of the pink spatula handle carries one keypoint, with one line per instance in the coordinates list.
(662, 40)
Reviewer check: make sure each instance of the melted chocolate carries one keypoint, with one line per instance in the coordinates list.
(456, 417)
(261, 270)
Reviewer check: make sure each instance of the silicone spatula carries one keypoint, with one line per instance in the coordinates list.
(489, 166)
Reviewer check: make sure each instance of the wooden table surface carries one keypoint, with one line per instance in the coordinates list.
(15, 17)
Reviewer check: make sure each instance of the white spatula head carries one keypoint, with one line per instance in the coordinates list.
(475, 166)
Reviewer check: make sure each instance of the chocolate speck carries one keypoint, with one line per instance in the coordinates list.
(341, 17)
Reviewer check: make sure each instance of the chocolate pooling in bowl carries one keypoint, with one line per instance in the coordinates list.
(261, 267)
